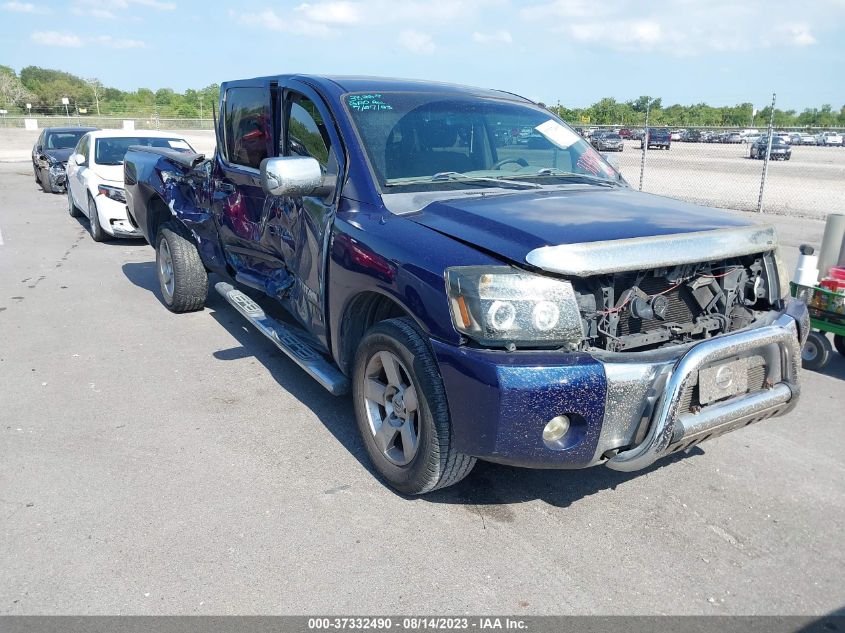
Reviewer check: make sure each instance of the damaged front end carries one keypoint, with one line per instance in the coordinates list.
(647, 293)
(680, 344)
(57, 175)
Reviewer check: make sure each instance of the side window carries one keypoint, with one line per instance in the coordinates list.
(306, 132)
(39, 144)
(248, 126)
(82, 148)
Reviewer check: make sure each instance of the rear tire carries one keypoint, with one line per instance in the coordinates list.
(401, 409)
(816, 352)
(96, 229)
(181, 274)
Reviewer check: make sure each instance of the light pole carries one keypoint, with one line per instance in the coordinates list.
(200, 97)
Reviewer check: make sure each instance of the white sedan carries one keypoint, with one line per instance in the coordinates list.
(95, 178)
(829, 138)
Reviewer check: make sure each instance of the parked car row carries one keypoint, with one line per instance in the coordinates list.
(751, 136)
(697, 135)
(87, 164)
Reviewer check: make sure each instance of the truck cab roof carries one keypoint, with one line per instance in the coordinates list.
(341, 84)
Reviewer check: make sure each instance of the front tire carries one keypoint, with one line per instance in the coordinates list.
(96, 229)
(181, 273)
(816, 352)
(401, 409)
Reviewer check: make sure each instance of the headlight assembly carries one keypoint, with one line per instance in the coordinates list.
(115, 193)
(499, 305)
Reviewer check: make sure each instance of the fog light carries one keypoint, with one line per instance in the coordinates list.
(556, 428)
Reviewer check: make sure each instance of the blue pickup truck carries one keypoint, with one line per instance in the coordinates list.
(480, 298)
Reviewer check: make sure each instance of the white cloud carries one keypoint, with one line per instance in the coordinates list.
(93, 12)
(69, 40)
(636, 34)
(564, 9)
(109, 9)
(801, 35)
(22, 7)
(269, 19)
(55, 38)
(496, 37)
(670, 27)
(331, 12)
(416, 42)
(684, 27)
(112, 42)
(330, 17)
(154, 4)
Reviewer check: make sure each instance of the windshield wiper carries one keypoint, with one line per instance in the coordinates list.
(554, 172)
(458, 176)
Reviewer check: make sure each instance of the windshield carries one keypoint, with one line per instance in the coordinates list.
(63, 140)
(423, 141)
(110, 151)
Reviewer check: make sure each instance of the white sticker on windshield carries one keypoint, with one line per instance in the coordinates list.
(178, 144)
(559, 135)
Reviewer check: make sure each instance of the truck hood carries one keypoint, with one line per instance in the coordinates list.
(515, 225)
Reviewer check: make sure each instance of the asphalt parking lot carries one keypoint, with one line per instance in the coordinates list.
(155, 463)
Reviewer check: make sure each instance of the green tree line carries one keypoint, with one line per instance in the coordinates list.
(44, 89)
(609, 111)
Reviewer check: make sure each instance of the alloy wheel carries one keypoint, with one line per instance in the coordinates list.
(391, 405)
(165, 270)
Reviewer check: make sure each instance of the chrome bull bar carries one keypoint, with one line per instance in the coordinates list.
(672, 429)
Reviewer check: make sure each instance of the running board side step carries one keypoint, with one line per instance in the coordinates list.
(288, 340)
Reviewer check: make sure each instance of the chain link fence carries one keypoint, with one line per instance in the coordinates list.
(109, 123)
(724, 167)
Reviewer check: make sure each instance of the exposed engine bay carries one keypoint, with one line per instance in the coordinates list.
(646, 310)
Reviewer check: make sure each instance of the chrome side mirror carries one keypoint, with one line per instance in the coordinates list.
(290, 176)
(79, 159)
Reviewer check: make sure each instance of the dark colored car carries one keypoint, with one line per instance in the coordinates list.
(608, 142)
(657, 137)
(692, 136)
(51, 153)
(518, 304)
(780, 148)
(626, 133)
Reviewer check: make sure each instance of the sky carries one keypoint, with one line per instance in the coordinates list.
(720, 52)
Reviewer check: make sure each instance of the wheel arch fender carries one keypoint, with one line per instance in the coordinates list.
(362, 311)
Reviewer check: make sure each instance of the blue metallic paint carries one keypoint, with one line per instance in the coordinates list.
(500, 403)
(513, 224)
